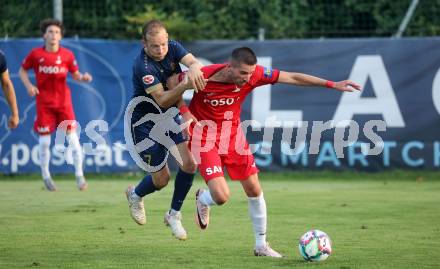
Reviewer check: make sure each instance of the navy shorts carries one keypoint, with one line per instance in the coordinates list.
(157, 151)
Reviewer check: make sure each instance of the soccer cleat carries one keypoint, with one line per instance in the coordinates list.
(202, 212)
(136, 206)
(267, 251)
(81, 183)
(49, 184)
(175, 222)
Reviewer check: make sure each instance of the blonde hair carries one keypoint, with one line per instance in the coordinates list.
(152, 28)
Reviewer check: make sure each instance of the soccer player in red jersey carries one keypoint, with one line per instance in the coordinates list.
(51, 63)
(218, 140)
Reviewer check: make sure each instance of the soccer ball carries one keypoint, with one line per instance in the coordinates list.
(315, 246)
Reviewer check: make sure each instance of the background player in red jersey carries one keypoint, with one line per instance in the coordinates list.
(8, 89)
(218, 140)
(54, 104)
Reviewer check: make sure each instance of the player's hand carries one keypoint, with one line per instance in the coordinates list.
(86, 77)
(13, 121)
(196, 77)
(347, 86)
(186, 82)
(32, 90)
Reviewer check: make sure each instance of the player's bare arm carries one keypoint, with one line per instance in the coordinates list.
(186, 114)
(8, 90)
(172, 82)
(24, 76)
(168, 98)
(301, 79)
(195, 74)
(86, 77)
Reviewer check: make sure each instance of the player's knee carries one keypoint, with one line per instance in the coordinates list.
(161, 182)
(189, 166)
(44, 141)
(254, 191)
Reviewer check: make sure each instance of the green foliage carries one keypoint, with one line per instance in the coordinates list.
(225, 19)
(177, 26)
(22, 18)
(426, 21)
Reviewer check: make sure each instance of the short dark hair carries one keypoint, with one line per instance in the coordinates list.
(151, 28)
(243, 55)
(44, 24)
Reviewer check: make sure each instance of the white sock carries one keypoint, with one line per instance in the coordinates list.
(44, 155)
(173, 212)
(206, 198)
(258, 214)
(73, 140)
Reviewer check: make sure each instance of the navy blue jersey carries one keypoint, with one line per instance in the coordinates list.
(148, 73)
(3, 64)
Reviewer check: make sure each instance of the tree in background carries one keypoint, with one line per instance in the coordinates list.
(225, 19)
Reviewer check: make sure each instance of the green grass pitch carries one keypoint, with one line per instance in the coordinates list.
(384, 220)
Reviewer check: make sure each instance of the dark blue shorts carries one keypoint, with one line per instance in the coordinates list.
(157, 151)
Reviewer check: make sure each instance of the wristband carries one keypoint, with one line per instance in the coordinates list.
(183, 109)
(329, 84)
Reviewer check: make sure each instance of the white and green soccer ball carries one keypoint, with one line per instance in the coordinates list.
(315, 246)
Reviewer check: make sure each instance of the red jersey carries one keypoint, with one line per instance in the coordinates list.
(221, 103)
(219, 98)
(51, 73)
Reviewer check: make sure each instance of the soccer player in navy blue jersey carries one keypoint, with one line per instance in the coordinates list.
(8, 89)
(157, 61)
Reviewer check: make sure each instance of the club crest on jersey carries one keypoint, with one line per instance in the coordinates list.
(148, 79)
(58, 61)
(267, 73)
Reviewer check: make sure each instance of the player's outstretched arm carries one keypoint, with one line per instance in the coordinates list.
(195, 74)
(8, 89)
(86, 77)
(301, 79)
(24, 76)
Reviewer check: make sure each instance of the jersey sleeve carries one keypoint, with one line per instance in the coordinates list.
(28, 62)
(72, 65)
(149, 81)
(178, 50)
(265, 75)
(3, 64)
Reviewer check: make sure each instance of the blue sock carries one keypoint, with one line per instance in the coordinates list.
(182, 185)
(145, 187)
